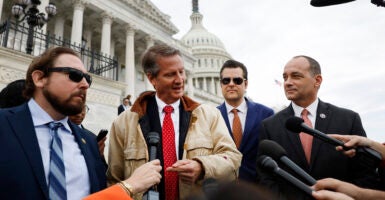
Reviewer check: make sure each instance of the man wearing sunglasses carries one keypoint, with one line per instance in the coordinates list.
(242, 116)
(194, 142)
(42, 154)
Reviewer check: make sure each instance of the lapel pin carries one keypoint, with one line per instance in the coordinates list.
(84, 141)
(323, 116)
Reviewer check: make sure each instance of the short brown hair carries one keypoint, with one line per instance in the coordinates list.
(43, 63)
(149, 59)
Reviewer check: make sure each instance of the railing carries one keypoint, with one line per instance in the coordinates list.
(14, 36)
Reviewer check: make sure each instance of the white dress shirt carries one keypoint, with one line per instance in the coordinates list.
(242, 112)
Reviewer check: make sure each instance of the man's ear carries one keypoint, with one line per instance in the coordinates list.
(318, 80)
(38, 78)
(246, 83)
(151, 79)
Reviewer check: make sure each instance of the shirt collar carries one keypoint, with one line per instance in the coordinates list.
(161, 104)
(241, 108)
(312, 108)
(41, 117)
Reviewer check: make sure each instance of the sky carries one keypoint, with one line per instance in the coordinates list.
(348, 40)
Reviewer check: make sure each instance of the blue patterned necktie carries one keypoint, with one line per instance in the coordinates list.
(56, 177)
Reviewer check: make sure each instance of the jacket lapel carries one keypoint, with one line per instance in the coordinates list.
(293, 137)
(82, 142)
(322, 121)
(27, 137)
(249, 122)
(223, 110)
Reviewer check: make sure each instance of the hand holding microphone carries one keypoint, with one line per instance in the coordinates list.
(153, 140)
(368, 156)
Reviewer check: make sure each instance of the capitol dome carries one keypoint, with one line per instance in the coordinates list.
(210, 54)
(198, 38)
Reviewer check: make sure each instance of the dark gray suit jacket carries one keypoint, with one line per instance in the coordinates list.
(325, 160)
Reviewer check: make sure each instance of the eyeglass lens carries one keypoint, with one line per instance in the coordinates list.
(236, 80)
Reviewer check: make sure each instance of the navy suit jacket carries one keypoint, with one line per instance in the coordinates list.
(325, 160)
(255, 114)
(21, 167)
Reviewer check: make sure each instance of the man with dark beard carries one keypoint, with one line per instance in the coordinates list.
(42, 154)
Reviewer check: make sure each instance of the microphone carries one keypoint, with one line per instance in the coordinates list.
(297, 125)
(153, 140)
(275, 151)
(368, 157)
(210, 187)
(321, 3)
(268, 164)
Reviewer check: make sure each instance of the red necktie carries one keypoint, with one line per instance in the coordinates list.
(237, 128)
(306, 139)
(169, 155)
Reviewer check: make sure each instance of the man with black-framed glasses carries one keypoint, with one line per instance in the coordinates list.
(43, 155)
(242, 116)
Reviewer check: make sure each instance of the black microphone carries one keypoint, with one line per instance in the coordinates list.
(210, 187)
(276, 151)
(268, 164)
(320, 3)
(297, 125)
(368, 157)
(153, 140)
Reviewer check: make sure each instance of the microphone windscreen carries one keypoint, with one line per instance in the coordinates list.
(294, 124)
(153, 138)
(320, 3)
(266, 163)
(272, 149)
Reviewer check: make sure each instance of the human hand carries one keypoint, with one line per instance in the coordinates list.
(330, 195)
(101, 145)
(188, 170)
(342, 190)
(352, 141)
(145, 176)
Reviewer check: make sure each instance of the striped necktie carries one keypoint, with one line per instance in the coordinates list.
(56, 177)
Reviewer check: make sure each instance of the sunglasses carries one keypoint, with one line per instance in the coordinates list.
(236, 80)
(75, 75)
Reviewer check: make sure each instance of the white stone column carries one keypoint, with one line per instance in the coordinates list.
(106, 34)
(1, 9)
(219, 89)
(205, 84)
(149, 43)
(59, 26)
(212, 85)
(77, 22)
(88, 37)
(190, 89)
(130, 61)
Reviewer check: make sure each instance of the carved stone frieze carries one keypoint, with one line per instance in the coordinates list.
(8, 74)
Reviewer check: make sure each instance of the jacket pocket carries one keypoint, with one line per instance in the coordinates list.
(199, 147)
(133, 158)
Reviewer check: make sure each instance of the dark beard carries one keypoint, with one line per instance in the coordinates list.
(64, 107)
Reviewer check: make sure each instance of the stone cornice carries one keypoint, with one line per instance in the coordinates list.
(148, 9)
